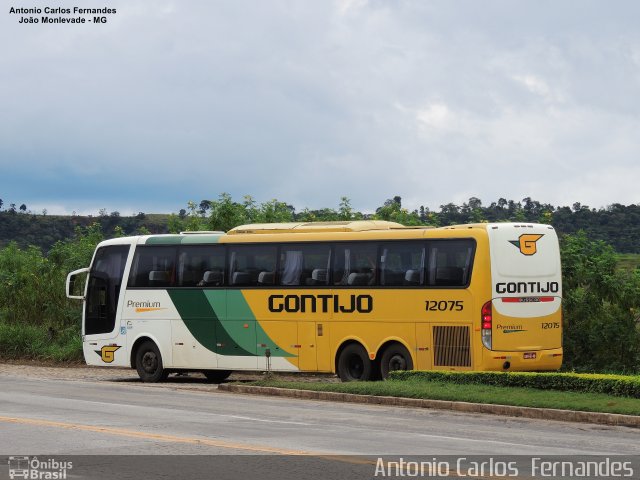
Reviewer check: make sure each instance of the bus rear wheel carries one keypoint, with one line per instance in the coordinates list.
(395, 357)
(149, 363)
(216, 376)
(354, 364)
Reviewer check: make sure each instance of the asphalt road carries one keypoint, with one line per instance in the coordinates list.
(120, 416)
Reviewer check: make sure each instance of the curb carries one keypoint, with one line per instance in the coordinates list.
(613, 419)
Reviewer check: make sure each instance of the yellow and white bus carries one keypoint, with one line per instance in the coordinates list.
(357, 298)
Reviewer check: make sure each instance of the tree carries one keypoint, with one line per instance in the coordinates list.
(204, 206)
(389, 209)
(23, 208)
(226, 214)
(392, 211)
(345, 212)
(275, 211)
(473, 210)
(322, 215)
(450, 214)
(600, 309)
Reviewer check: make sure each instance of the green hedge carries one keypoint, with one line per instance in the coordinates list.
(618, 385)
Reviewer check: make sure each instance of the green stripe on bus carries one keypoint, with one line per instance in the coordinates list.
(162, 240)
(237, 304)
(204, 311)
(200, 318)
(182, 239)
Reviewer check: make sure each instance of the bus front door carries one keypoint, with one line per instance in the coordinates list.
(101, 332)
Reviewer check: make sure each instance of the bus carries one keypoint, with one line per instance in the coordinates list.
(355, 298)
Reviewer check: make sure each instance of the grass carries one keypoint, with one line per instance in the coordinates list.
(608, 384)
(35, 342)
(628, 261)
(518, 396)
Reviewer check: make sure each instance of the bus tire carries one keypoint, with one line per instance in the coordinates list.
(354, 364)
(216, 376)
(395, 357)
(149, 363)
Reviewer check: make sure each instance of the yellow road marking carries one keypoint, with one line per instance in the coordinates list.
(155, 436)
(196, 441)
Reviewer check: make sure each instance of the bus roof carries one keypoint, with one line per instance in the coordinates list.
(310, 227)
(310, 231)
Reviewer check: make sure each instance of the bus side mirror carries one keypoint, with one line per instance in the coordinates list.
(71, 284)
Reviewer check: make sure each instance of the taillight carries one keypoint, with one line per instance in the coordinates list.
(486, 318)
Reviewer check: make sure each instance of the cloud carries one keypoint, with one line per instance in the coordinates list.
(436, 115)
(538, 86)
(307, 102)
(345, 6)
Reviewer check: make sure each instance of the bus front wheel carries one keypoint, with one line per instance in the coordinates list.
(354, 364)
(395, 357)
(149, 363)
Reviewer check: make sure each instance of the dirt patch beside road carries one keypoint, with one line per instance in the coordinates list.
(116, 374)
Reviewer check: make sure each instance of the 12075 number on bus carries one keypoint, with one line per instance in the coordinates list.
(444, 305)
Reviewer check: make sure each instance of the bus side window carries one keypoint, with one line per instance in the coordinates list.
(252, 265)
(304, 264)
(402, 264)
(450, 263)
(356, 258)
(153, 267)
(201, 266)
(291, 270)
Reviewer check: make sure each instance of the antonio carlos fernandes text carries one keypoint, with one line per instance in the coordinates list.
(538, 467)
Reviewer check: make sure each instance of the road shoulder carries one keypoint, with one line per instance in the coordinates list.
(613, 419)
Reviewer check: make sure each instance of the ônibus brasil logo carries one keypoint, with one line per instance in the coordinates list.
(526, 243)
(31, 467)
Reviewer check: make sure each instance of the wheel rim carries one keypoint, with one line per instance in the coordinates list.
(355, 367)
(149, 362)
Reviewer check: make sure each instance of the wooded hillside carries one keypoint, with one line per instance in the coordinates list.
(617, 225)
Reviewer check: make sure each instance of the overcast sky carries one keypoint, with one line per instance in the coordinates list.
(308, 101)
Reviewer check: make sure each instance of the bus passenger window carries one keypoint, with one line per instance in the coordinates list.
(402, 264)
(200, 266)
(303, 264)
(355, 264)
(153, 267)
(450, 263)
(252, 265)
